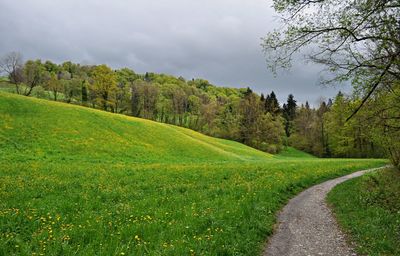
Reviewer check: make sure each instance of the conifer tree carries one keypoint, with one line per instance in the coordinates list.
(289, 114)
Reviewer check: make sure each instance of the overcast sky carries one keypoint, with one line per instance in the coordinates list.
(218, 40)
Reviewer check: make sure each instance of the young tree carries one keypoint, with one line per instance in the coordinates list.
(72, 89)
(208, 117)
(302, 136)
(271, 133)
(150, 97)
(180, 105)
(194, 105)
(122, 97)
(137, 98)
(33, 75)
(125, 80)
(52, 84)
(104, 85)
(144, 100)
(321, 132)
(336, 121)
(11, 64)
(250, 110)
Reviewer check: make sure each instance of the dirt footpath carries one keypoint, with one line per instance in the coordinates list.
(306, 225)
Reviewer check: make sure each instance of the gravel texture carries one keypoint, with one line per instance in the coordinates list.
(306, 225)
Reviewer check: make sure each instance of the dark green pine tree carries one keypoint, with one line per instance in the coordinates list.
(272, 104)
(262, 98)
(289, 113)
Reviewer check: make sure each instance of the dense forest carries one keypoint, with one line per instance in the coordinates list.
(242, 115)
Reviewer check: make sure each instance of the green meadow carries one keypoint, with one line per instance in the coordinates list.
(78, 181)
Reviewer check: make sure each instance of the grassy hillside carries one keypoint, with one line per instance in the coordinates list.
(76, 181)
(40, 129)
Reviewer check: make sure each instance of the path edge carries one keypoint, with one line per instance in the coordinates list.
(347, 239)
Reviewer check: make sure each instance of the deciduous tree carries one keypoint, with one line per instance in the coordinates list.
(33, 75)
(105, 86)
(11, 64)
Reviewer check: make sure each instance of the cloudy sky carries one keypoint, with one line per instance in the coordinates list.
(218, 40)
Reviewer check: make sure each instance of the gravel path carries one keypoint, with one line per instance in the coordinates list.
(306, 225)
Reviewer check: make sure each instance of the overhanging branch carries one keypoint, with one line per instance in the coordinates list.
(369, 93)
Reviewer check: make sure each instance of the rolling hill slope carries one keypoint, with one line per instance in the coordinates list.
(45, 129)
(78, 181)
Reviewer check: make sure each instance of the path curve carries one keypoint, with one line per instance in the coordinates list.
(306, 225)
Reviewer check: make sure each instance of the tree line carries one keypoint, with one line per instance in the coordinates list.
(259, 121)
(356, 42)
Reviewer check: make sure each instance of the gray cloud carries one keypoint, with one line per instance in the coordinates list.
(218, 40)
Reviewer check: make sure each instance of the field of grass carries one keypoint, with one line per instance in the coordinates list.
(78, 181)
(37, 92)
(3, 79)
(5, 86)
(290, 152)
(368, 208)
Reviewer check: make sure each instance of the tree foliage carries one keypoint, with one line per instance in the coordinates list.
(356, 40)
(33, 75)
(324, 131)
(104, 85)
